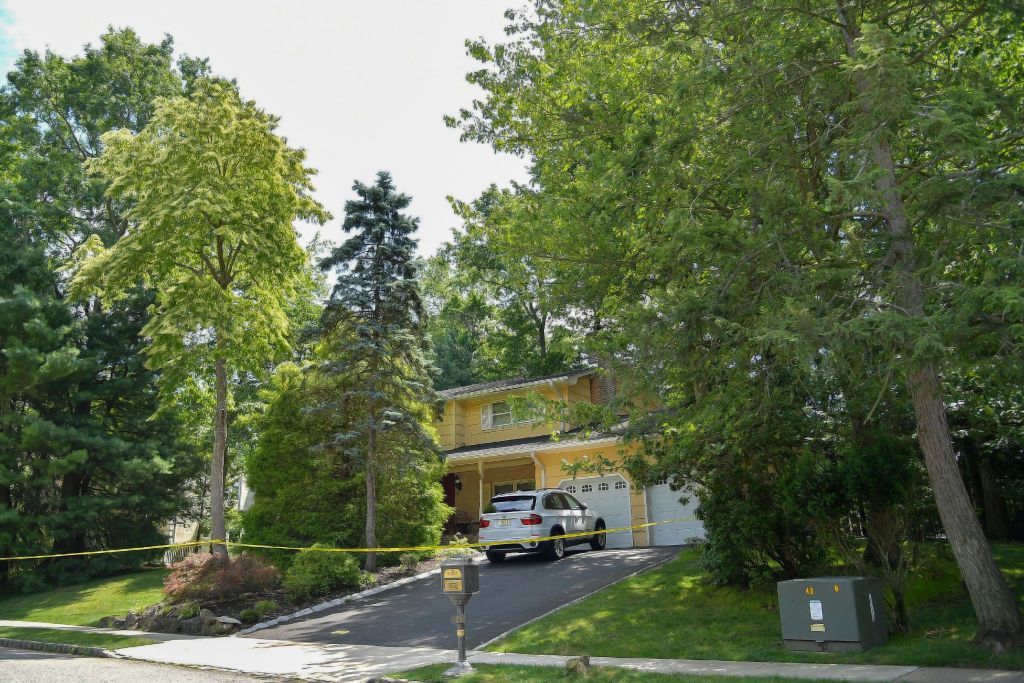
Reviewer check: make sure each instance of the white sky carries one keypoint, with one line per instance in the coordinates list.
(361, 85)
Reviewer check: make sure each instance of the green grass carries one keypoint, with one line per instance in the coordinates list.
(86, 603)
(52, 635)
(513, 674)
(671, 612)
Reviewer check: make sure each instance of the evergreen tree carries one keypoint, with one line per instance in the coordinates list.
(97, 466)
(374, 337)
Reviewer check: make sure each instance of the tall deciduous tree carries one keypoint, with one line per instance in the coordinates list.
(374, 334)
(771, 187)
(213, 195)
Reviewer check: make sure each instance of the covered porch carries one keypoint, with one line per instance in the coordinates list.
(470, 484)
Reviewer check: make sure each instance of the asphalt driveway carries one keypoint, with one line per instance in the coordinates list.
(520, 589)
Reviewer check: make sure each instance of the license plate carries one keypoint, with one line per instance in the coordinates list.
(504, 522)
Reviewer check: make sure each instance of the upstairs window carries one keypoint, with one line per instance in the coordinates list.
(499, 414)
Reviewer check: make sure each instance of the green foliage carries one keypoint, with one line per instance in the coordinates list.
(249, 616)
(712, 184)
(264, 607)
(305, 494)
(212, 192)
(214, 238)
(90, 459)
(494, 315)
(314, 574)
(188, 610)
(378, 402)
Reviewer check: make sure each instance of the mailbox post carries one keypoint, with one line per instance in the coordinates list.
(460, 579)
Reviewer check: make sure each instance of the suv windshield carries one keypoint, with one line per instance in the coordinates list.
(512, 503)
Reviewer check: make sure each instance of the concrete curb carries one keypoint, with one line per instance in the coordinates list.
(61, 648)
(577, 600)
(331, 604)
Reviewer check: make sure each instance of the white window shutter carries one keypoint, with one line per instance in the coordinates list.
(485, 416)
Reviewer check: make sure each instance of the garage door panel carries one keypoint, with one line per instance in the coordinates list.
(664, 505)
(608, 496)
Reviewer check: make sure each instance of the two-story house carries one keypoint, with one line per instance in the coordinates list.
(489, 450)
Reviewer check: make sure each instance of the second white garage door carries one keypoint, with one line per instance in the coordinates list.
(664, 504)
(609, 497)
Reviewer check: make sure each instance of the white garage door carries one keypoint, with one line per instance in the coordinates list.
(663, 504)
(609, 497)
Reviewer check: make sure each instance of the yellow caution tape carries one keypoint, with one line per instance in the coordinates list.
(190, 544)
(413, 548)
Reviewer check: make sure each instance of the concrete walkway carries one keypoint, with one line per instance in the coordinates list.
(94, 629)
(337, 662)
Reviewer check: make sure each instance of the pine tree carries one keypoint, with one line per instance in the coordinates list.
(374, 334)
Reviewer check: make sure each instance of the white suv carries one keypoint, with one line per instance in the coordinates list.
(548, 512)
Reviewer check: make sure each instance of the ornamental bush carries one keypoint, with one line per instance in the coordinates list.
(205, 576)
(315, 573)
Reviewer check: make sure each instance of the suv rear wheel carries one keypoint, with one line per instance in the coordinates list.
(495, 557)
(555, 548)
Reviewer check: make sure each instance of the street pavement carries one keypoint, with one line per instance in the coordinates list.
(512, 593)
(27, 666)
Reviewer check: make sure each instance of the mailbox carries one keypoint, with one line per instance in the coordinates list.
(833, 614)
(460, 578)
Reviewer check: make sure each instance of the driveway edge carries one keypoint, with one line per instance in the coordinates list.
(579, 599)
(60, 648)
(331, 604)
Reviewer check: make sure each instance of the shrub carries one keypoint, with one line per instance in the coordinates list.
(408, 561)
(315, 573)
(207, 576)
(264, 607)
(457, 546)
(249, 616)
(367, 580)
(187, 610)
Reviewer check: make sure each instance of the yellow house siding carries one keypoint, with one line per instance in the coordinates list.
(579, 392)
(475, 434)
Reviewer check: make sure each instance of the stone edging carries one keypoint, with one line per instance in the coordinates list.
(331, 604)
(62, 648)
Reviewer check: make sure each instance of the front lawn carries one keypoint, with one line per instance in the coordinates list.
(84, 604)
(672, 613)
(513, 674)
(51, 635)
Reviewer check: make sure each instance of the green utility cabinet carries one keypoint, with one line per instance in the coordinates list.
(833, 613)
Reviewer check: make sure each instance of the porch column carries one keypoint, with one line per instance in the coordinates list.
(538, 466)
(480, 470)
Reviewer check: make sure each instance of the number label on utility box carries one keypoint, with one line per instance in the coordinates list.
(453, 573)
(453, 585)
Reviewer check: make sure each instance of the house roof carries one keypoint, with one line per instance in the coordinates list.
(496, 386)
(565, 440)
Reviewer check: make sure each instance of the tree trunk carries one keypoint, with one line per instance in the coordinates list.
(220, 447)
(371, 498)
(999, 622)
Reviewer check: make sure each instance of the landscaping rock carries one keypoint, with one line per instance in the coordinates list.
(207, 616)
(193, 626)
(578, 665)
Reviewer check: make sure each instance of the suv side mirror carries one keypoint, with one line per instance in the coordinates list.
(583, 506)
